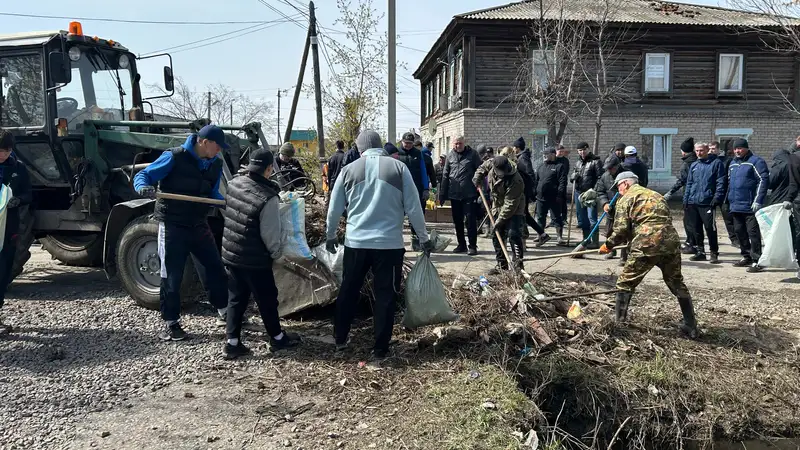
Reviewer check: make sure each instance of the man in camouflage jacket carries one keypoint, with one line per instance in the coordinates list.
(508, 208)
(642, 219)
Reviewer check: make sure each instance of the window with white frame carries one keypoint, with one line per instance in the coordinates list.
(656, 72)
(731, 72)
(444, 88)
(656, 149)
(436, 86)
(538, 142)
(726, 136)
(455, 77)
(542, 61)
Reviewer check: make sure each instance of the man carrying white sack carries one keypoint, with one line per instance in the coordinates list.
(377, 193)
(13, 174)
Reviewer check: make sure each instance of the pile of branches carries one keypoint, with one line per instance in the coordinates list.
(316, 222)
(597, 385)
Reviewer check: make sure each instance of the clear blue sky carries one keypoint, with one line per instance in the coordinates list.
(256, 64)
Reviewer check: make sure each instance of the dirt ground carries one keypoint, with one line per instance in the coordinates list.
(309, 399)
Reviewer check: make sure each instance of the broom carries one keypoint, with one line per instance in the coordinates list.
(582, 246)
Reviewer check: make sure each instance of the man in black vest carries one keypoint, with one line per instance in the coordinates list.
(251, 243)
(192, 169)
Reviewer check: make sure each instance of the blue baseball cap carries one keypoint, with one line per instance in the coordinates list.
(214, 133)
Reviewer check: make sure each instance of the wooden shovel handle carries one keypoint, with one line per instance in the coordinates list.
(190, 198)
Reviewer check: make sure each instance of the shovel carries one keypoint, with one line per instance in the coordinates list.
(190, 198)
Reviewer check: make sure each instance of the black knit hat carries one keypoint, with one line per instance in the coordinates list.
(520, 143)
(741, 143)
(687, 146)
(582, 145)
(612, 161)
(620, 146)
(481, 149)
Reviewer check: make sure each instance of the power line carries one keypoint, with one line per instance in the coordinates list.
(412, 48)
(149, 22)
(281, 13)
(205, 41)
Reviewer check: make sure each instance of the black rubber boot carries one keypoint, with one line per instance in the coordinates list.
(688, 325)
(621, 306)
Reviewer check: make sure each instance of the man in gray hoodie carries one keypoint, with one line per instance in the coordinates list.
(377, 191)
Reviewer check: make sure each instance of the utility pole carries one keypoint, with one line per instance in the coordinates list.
(392, 73)
(317, 85)
(232, 100)
(209, 107)
(298, 87)
(279, 117)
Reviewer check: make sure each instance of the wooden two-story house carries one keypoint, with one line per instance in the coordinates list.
(700, 71)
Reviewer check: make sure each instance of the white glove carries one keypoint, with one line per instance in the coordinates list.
(756, 206)
(667, 196)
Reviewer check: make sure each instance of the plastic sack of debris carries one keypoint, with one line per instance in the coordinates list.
(426, 300)
(440, 242)
(293, 224)
(776, 236)
(332, 261)
(5, 195)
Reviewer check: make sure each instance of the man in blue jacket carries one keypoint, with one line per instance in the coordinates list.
(192, 169)
(748, 181)
(705, 190)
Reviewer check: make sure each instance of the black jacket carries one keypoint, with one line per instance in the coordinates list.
(606, 190)
(780, 184)
(439, 169)
(186, 178)
(242, 245)
(794, 179)
(335, 164)
(14, 174)
(635, 165)
(459, 168)
(684, 173)
(587, 172)
(552, 181)
(525, 169)
(290, 172)
(413, 160)
(350, 156)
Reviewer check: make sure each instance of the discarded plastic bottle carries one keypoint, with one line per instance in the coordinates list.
(484, 284)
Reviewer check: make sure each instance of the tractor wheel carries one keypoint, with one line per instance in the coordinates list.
(24, 241)
(85, 250)
(139, 266)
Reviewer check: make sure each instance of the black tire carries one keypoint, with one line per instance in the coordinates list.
(141, 234)
(24, 241)
(78, 250)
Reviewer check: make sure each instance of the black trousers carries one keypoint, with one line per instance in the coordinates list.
(175, 244)
(465, 210)
(510, 232)
(748, 233)
(687, 226)
(386, 266)
(564, 211)
(556, 212)
(529, 221)
(703, 218)
(726, 217)
(261, 284)
(7, 264)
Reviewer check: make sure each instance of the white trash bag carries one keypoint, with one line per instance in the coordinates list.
(776, 238)
(5, 195)
(293, 224)
(332, 261)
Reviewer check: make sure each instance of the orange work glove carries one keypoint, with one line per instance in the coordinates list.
(604, 250)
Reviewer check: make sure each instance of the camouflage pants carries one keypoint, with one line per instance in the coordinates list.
(639, 265)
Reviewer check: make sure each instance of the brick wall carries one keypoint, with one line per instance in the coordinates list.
(494, 128)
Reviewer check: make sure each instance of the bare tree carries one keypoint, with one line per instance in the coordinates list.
(354, 96)
(602, 53)
(550, 77)
(779, 32)
(189, 103)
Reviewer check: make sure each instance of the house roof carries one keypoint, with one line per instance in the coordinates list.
(303, 135)
(626, 11)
